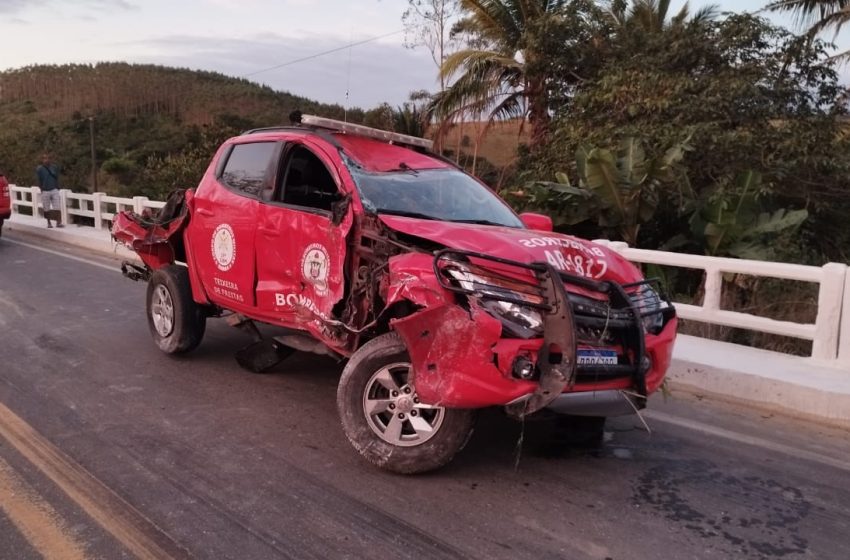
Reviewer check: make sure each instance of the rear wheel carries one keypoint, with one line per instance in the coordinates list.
(176, 322)
(384, 419)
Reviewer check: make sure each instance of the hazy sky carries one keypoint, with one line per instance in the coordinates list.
(238, 37)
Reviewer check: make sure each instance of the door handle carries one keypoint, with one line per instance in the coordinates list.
(205, 212)
(269, 232)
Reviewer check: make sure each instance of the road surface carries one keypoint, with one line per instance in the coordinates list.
(110, 449)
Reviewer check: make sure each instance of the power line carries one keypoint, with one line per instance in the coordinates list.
(317, 55)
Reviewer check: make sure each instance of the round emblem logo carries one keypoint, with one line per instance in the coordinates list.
(314, 267)
(224, 247)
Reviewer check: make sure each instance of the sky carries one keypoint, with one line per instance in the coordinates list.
(241, 38)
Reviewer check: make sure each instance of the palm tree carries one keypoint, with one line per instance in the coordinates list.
(650, 16)
(493, 76)
(817, 15)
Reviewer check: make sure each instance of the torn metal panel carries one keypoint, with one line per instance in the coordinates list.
(411, 278)
(451, 350)
(565, 253)
(153, 236)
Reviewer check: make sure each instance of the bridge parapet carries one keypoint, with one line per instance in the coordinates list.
(830, 333)
(95, 209)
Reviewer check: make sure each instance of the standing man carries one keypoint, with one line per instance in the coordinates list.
(48, 181)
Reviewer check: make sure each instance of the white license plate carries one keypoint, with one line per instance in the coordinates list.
(594, 357)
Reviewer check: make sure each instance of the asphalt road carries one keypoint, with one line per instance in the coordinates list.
(110, 449)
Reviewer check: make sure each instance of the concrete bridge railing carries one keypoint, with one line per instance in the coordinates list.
(830, 333)
(99, 208)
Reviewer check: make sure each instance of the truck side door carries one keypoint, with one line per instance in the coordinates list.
(223, 226)
(301, 252)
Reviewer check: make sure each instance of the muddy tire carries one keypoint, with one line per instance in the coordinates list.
(383, 418)
(176, 322)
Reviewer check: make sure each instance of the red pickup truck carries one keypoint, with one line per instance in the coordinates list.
(364, 245)
(5, 201)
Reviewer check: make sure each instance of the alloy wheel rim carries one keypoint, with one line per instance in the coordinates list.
(394, 411)
(162, 311)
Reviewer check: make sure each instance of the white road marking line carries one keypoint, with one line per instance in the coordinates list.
(65, 255)
(747, 440)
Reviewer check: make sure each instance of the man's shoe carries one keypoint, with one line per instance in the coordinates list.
(49, 226)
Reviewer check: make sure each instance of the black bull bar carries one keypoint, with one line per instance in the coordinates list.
(611, 310)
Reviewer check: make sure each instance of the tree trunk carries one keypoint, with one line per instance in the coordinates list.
(538, 112)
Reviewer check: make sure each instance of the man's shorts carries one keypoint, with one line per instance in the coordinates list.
(50, 200)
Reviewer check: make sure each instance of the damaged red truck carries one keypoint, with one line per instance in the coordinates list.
(365, 246)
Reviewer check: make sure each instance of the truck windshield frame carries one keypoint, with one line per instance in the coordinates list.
(447, 195)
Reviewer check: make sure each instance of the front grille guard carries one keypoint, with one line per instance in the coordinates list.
(620, 316)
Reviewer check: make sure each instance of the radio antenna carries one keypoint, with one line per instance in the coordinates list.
(348, 79)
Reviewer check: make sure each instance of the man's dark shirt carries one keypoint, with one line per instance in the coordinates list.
(48, 177)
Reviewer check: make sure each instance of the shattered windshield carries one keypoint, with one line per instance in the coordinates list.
(433, 194)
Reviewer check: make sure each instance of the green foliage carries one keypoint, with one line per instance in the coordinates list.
(506, 71)
(381, 117)
(748, 95)
(816, 16)
(409, 119)
(154, 127)
(651, 16)
(730, 221)
(123, 169)
(618, 189)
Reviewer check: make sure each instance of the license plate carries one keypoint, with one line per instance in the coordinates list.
(594, 357)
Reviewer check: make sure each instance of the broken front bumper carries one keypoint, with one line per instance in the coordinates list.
(608, 403)
(461, 357)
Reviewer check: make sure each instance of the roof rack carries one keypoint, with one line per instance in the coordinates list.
(360, 130)
(272, 129)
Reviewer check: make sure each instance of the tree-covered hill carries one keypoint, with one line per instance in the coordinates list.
(154, 126)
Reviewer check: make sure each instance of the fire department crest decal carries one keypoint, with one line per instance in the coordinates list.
(314, 267)
(224, 247)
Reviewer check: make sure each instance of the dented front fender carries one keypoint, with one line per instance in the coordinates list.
(452, 354)
(459, 358)
(450, 347)
(411, 278)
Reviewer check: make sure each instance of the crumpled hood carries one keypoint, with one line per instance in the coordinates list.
(566, 253)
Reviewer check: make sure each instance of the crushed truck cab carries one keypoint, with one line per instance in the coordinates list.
(363, 245)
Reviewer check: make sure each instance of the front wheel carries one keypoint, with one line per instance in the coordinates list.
(176, 322)
(384, 419)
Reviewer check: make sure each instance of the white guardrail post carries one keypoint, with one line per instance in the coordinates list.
(35, 197)
(97, 207)
(844, 332)
(63, 205)
(828, 322)
(713, 289)
(139, 203)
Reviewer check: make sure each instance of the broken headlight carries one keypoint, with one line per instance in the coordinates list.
(518, 320)
(650, 305)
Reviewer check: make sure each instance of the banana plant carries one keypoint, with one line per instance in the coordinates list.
(731, 221)
(619, 189)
